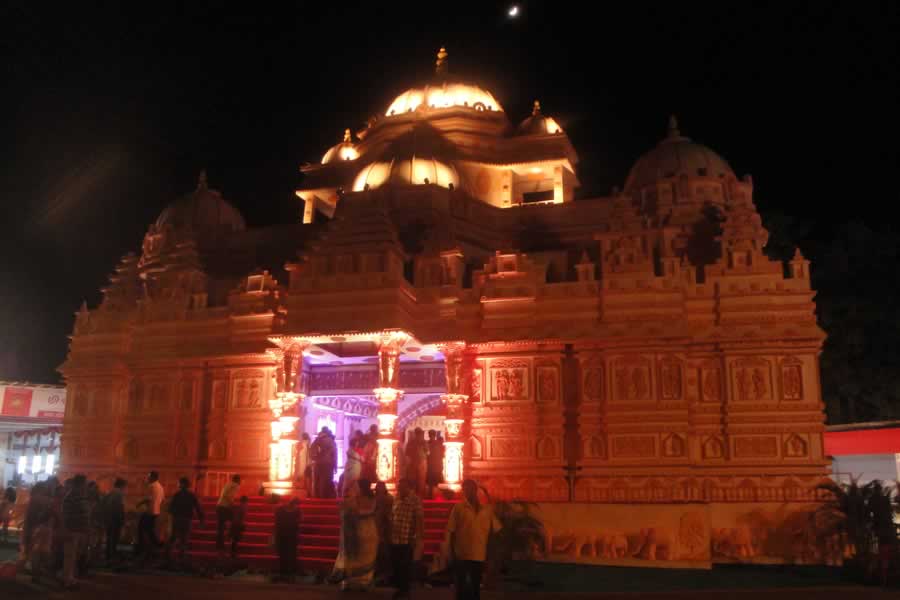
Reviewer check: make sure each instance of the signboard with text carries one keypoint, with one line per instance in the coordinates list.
(32, 401)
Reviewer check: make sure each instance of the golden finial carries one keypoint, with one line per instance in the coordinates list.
(347, 136)
(536, 109)
(440, 66)
(201, 180)
(673, 127)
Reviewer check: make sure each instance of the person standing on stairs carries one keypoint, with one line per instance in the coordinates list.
(238, 524)
(183, 507)
(287, 536)
(225, 510)
(148, 542)
(407, 533)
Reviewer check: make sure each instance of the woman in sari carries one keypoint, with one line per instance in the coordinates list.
(359, 535)
(38, 530)
(352, 468)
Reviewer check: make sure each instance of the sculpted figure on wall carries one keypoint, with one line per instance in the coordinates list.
(593, 384)
(792, 379)
(509, 381)
(547, 384)
(752, 381)
(670, 380)
(711, 385)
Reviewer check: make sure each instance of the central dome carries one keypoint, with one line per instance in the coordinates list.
(445, 94)
(202, 211)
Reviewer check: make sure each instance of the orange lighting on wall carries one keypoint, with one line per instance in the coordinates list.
(453, 463)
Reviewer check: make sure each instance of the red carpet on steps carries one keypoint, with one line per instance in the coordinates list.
(319, 532)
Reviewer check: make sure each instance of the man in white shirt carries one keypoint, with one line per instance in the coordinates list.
(147, 527)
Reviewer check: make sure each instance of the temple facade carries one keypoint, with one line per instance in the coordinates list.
(635, 348)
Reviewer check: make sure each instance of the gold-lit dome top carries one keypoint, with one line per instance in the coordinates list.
(345, 150)
(674, 156)
(443, 94)
(538, 123)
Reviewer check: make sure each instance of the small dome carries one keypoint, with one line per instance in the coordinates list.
(538, 123)
(674, 156)
(202, 210)
(346, 150)
(445, 94)
(406, 171)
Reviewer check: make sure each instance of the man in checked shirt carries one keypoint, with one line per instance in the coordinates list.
(407, 531)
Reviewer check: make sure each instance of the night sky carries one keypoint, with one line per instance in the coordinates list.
(110, 110)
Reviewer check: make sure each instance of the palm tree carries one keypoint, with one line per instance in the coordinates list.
(863, 515)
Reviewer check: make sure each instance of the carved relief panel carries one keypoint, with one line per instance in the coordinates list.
(477, 383)
(594, 446)
(752, 380)
(509, 380)
(713, 448)
(157, 399)
(220, 394)
(755, 447)
(674, 446)
(548, 448)
(247, 390)
(796, 446)
(547, 384)
(592, 384)
(671, 379)
(503, 447)
(710, 382)
(632, 379)
(792, 379)
(634, 446)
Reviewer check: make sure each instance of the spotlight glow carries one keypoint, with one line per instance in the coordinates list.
(513, 11)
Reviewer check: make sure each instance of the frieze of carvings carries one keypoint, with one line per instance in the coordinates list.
(353, 379)
(634, 446)
(752, 380)
(547, 384)
(548, 447)
(364, 406)
(674, 446)
(671, 385)
(713, 448)
(796, 447)
(510, 447)
(792, 379)
(422, 378)
(755, 447)
(632, 379)
(509, 381)
(594, 446)
(593, 384)
(693, 537)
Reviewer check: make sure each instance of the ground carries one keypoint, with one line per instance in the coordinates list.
(558, 581)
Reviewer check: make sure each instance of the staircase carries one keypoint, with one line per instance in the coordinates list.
(319, 533)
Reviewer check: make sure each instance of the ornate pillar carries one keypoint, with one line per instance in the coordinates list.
(284, 404)
(455, 401)
(388, 395)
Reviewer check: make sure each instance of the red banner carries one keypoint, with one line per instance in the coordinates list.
(16, 402)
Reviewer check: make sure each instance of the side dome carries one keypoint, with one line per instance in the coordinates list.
(407, 171)
(538, 123)
(203, 210)
(675, 156)
(445, 94)
(346, 150)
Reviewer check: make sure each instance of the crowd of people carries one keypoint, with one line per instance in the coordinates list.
(70, 527)
(422, 462)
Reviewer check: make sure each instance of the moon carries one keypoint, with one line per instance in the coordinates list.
(513, 11)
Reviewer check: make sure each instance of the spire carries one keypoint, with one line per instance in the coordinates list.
(440, 66)
(201, 181)
(347, 137)
(673, 127)
(536, 110)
